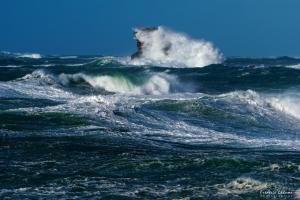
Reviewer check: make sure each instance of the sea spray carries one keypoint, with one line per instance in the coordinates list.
(182, 50)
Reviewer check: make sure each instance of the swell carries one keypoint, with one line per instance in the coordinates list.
(226, 104)
(236, 119)
(15, 66)
(233, 74)
(214, 79)
(240, 110)
(96, 119)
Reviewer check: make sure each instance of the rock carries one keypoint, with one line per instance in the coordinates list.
(140, 44)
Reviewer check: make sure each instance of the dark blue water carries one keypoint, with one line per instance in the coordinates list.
(102, 128)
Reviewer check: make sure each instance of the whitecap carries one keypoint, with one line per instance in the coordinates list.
(30, 55)
(156, 84)
(294, 66)
(243, 185)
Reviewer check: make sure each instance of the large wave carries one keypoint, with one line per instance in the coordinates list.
(183, 51)
(288, 102)
(156, 84)
(238, 116)
(162, 83)
(198, 105)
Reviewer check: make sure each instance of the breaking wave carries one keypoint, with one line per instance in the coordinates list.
(183, 51)
(171, 104)
(156, 84)
(32, 55)
(286, 103)
(162, 83)
(297, 66)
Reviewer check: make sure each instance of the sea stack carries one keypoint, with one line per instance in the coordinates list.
(140, 44)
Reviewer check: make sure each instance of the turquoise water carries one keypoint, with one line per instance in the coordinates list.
(100, 127)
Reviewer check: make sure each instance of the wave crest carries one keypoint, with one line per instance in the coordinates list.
(156, 84)
(30, 55)
(286, 103)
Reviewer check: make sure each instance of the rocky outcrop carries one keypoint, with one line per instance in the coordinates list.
(140, 45)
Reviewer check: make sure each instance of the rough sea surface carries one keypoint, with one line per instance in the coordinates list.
(90, 127)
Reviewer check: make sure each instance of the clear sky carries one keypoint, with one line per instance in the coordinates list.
(236, 27)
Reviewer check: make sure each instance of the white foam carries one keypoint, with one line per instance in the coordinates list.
(243, 185)
(294, 66)
(129, 95)
(184, 51)
(186, 133)
(104, 105)
(30, 55)
(38, 84)
(40, 74)
(109, 59)
(274, 167)
(297, 193)
(285, 165)
(288, 103)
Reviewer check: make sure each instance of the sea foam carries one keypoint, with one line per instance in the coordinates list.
(30, 55)
(243, 185)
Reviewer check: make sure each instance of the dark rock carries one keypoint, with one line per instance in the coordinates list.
(140, 45)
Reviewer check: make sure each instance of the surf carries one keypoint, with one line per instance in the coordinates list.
(163, 47)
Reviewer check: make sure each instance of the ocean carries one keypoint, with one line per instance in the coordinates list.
(99, 127)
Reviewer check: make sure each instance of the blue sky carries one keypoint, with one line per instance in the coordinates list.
(236, 27)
